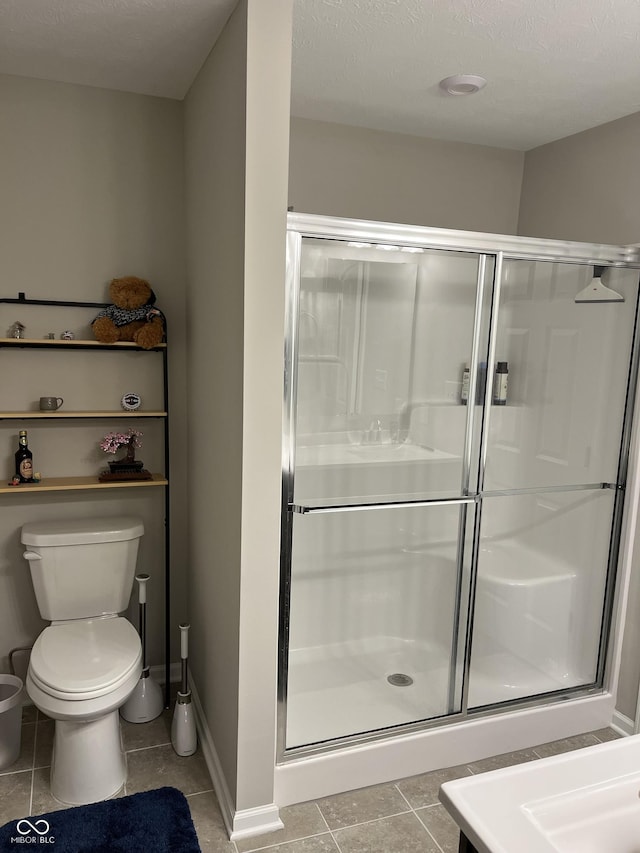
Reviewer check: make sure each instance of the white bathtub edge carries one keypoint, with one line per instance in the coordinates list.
(410, 755)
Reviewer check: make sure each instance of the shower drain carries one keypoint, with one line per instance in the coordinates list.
(399, 679)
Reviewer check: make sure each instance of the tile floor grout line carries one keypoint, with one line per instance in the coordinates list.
(33, 776)
(335, 840)
(432, 837)
(377, 820)
(152, 746)
(195, 793)
(13, 772)
(414, 810)
(395, 785)
(33, 764)
(326, 823)
(289, 841)
(365, 822)
(126, 778)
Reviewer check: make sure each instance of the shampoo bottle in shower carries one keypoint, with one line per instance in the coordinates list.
(464, 393)
(481, 383)
(500, 384)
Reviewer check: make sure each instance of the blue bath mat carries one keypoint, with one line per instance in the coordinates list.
(155, 821)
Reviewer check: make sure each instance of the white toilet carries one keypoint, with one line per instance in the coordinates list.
(85, 665)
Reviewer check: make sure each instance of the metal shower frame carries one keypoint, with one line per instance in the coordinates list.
(499, 248)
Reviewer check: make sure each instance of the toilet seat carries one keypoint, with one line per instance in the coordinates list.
(85, 658)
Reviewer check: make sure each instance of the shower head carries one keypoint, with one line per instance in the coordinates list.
(596, 291)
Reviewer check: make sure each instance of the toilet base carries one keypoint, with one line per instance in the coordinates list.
(88, 762)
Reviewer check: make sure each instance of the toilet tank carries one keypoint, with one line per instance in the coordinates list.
(84, 567)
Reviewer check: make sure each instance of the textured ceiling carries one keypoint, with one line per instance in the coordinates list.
(154, 47)
(554, 67)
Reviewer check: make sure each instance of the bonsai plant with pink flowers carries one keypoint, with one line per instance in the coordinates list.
(130, 440)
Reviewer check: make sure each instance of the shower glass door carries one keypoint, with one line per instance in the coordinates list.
(382, 460)
(551, 482)
(447, 547)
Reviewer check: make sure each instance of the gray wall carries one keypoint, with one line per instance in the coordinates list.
(236, 130)
(92, 188)
(215, 188)
(353, 172)
(586, 187)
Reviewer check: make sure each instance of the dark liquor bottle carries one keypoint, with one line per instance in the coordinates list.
(24, 460)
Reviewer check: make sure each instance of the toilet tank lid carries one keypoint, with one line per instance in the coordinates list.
(83, 531)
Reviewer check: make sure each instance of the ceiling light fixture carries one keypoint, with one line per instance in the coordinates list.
(462, 84)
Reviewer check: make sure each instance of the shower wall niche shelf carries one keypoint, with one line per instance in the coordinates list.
(29, 377)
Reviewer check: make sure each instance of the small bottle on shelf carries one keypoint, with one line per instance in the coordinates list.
(481, 384)
(500, 384)
(464, 393)
(24, 459)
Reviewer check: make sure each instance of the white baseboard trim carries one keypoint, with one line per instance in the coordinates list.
(250, 822)
(212, 761)
(621, 724)
(244, 823)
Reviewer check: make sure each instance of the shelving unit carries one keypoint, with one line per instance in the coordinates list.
(22, 416)
(72, 344)
(66, 484)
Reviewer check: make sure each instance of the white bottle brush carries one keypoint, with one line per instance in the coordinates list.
(183, 728)
(145, 703)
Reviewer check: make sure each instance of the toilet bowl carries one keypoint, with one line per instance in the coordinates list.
(80, 673)
(86, 664)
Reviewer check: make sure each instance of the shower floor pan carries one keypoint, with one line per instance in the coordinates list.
(343, 689)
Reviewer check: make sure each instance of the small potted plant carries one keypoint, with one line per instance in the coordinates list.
(129, 440)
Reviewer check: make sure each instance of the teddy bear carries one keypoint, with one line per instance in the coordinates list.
(132, 316)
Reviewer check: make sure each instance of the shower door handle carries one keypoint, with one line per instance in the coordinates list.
(308, 510)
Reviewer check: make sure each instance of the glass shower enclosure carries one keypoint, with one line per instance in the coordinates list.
(457, 424)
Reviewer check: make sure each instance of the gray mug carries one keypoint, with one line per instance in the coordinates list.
(50, 404)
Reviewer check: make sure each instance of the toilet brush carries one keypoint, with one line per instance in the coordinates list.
(145, 703)
(183, 727)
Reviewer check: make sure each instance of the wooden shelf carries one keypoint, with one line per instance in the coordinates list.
(119, 413)
(64, 484)
(50, 342)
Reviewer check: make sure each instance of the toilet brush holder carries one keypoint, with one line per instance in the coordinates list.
(183, 727)
(146, 702)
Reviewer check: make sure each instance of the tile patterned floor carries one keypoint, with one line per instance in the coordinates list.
(400, 817)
